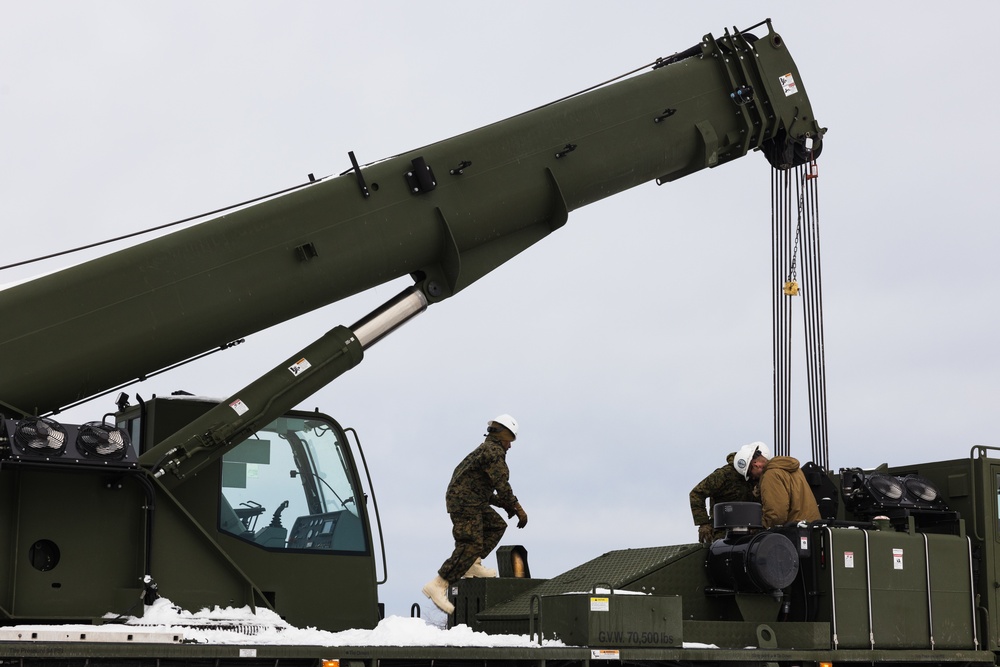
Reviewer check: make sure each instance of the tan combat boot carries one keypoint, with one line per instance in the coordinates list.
(437, 590)
(478, 570)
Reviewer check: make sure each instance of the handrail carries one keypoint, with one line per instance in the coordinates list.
(930, 590)
(378, 517)
(981, 449)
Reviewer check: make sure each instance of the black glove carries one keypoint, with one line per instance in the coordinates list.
(522, 516)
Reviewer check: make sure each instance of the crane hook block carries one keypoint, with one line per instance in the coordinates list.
(791, 288)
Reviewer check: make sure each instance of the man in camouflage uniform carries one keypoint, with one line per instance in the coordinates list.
(480, 480)
(724, 485)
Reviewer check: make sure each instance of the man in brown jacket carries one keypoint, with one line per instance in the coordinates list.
(785, 494)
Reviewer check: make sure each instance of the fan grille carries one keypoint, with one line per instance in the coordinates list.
(40, 436)
(102, 441)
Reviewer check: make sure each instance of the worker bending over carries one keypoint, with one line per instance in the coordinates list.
(785, 495)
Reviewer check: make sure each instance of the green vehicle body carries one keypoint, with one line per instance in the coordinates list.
(246, 501)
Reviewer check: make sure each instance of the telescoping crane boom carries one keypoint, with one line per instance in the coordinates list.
(445, 214)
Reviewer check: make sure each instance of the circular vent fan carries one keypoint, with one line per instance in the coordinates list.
(922, 490)
(886, 486)
(40, 436)
(102, 441)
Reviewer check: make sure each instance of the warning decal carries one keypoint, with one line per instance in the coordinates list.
(787, 82)
(300, 366)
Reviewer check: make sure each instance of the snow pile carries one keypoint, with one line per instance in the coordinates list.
(243, 626)
(164, 622)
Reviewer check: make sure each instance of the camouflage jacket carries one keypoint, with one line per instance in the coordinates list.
(481, 479)
(722, 486)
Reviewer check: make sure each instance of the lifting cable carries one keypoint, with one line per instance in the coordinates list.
(790, 249)
(159, 227)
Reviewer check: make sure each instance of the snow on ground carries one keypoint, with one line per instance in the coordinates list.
(243, 626)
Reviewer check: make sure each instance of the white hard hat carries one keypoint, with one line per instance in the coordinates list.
(506, 421)
(746, 454)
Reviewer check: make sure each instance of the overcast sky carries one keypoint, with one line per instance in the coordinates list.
(633, 345)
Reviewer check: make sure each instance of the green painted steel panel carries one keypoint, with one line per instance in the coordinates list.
(879, 590)
(606, 620)
(617, 569)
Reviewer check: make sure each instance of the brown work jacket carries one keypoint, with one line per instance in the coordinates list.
(785, 494)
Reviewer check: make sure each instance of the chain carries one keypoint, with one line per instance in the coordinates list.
(791, 287)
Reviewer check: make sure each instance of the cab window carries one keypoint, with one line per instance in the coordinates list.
(292, 486)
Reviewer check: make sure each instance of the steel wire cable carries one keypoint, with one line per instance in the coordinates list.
(781, 310)
(815, 342)
(793, 248)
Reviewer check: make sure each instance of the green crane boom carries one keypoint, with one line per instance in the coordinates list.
(446, 214)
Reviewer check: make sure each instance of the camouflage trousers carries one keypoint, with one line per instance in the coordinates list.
(477, 532)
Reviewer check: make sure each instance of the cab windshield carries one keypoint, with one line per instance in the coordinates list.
(292, 486)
